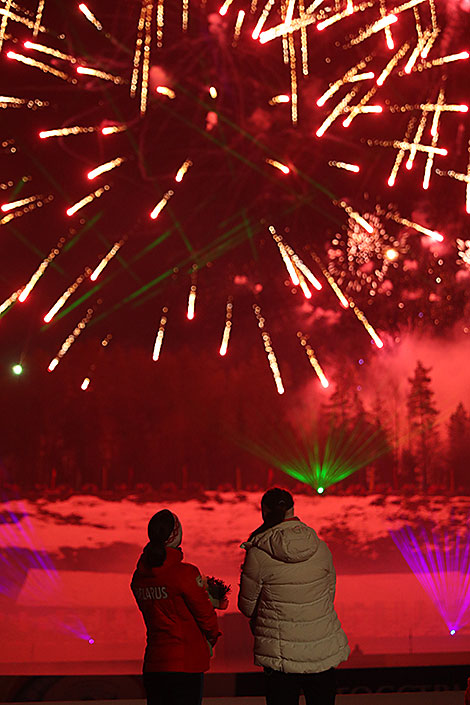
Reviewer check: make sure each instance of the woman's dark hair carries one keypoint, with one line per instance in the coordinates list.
(276, 501)
(160, 527)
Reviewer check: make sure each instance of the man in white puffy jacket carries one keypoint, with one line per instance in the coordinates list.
(287, 590)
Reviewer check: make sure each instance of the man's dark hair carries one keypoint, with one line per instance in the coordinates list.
(276, 501)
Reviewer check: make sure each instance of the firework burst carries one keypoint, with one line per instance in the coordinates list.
(360, 259)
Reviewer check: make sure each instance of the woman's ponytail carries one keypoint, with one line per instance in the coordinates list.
(159, 529)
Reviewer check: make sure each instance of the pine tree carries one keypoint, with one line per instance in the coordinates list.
(385, 465)
(422, 415)
(338, 411)
(458, 435)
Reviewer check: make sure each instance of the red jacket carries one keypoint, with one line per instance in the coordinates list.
(178, 614)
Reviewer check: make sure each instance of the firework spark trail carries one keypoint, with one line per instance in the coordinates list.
(160, 334)
(97, 73)
(303, 269)
(113, 251)
(467, 200)
(25, 292)
(432, 9)
(303, 41)
(8, 101)
(285, 257)
(227, 327)
(160, 22)
(90, 16)
(168, 92)
(45, 68)
(278, 165)
(359, 108)
(3, 25)
(430, 43)
(6, 207)
(335, 113)
(191, 302)
(113, 129)
(66, 295)
(238, 27)
(182, 170)
(362, 318)
(108, 166)
(401, 153)
(278, 99)
(397, 144)
(416, 141)
(17, 18)
(344, 165)
(10, 301)
(334, 87)
(311, 8)
(419, 30)
(460, 177)
(416, 226)
(225, 7)
(87, 199)
(269, 350)
(26, 209)
(66, 131)
(281, 30)
(293, 79)
(387, 30)
(429, 108)
(392, 63)
(185, 16)
(338, 16)
(419, 48)
(138, 51)
(78, 330)
(435, 139)
(50, 51)
(262, 19)
(313, 360)
(373, 29)
(147, 51)
(161, 204)
(342, 298)
(356, 216)
(450, 58)
(39, 12)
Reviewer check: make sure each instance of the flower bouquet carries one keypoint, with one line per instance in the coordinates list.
(217, 591)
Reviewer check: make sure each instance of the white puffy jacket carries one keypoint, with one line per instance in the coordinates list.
(287, 589)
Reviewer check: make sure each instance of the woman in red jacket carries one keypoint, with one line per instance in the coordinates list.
(180, 619)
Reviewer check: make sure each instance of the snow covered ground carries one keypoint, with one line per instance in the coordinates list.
(67, 566)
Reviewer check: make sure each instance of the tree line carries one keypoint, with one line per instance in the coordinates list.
(185, 424)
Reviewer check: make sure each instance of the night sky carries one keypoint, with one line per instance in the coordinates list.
(213, 232)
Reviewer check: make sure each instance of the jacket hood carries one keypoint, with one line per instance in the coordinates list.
(292, 541)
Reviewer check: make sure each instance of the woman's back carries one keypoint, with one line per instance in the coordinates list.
(177, 612)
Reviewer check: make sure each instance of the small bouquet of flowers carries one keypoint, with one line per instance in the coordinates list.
(217, 591)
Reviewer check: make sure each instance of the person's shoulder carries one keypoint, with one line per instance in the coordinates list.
(189, 570)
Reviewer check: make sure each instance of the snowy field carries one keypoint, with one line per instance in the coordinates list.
(65, 595)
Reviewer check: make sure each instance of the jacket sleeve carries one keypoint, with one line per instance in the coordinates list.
(331, 576)
(250, 584)
(197, 600)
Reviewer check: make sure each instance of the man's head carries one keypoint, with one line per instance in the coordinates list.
(276, 505)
